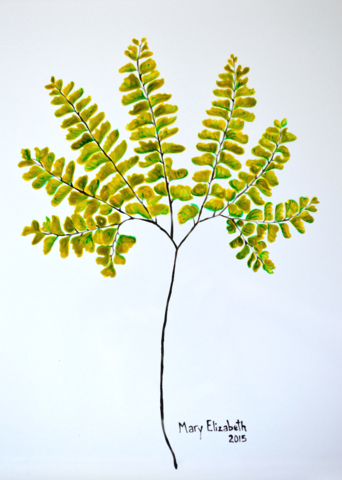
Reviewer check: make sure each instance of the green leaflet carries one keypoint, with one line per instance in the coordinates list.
(119, 151)
(231, 227)
(91, 208)
(111, 140)
(68, 225)
(41, 180)
(202, 176)
(230, 194)
(233, 147)
(263, 186)
(145, 192)
(291, 208)
(243, 115)
(180, 192)
(156, 173)
(119, 259)
(279, 212)
(144, 132)
(166, 133)
(64, 247)
(159, 98)
(258, 151)
(255, 196)
(52, 185)
(133, 97)
(150, 77)
(268, 211)
(176, 174)
(235, 211)
(161, 189)
(208, 135)
(237, 136)
(130, 83)
(55, 226)
(230, 161)
(172, 148)
(129, 67)
(140, 107)
(126, 165)
(155, 85)
(147, 147)
(243, 253)
(248, 229)
(147, 66)
(255, 215)
(187, 212)
(32, 173)
(248, 102)
(227, 93)
(237, 242)
(165, 109)
(164, 122)
(106, 170)
(244, 203)
(305, 215)
(222, 172)
(217, 191)
(101, 132)
(140, 121)
(109, 271)
(60, 195)
(215, 124)
(114, 218)
(203, 160)
(244, 92)
(214, 205)
(272, 232)
(48, 244)
(136, 209)
(34, 228)
(136, 179)
(237, 184)
(200, 190)
(298, 224)
(124, 243)
(159, 209)
(150, 160)
(78, 222)
(285, 230)
(207, 147)
(303, 202)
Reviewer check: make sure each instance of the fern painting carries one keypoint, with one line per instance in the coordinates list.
(233, 184)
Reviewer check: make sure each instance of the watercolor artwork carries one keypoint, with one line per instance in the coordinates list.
(103, 203)
(171, 319)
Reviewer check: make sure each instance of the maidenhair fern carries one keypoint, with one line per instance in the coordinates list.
(147, 185)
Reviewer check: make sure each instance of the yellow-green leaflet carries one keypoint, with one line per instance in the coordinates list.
(188, 212)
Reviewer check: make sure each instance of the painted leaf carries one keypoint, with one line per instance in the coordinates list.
(187, 212)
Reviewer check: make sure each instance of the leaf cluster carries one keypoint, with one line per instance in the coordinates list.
(114, 189)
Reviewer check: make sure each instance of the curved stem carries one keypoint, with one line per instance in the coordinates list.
(162, 362)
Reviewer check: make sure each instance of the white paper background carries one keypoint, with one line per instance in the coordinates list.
(79, 354)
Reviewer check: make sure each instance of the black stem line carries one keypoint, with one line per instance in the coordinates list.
(162, 361)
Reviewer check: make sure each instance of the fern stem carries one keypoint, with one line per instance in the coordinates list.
(162, 361)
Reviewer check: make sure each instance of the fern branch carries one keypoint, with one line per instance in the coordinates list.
(269, 161)
(59, 178)
(102, 150)
(220, 148)
(160, 151)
